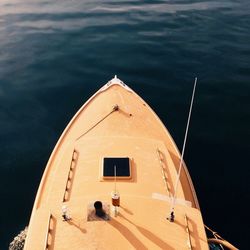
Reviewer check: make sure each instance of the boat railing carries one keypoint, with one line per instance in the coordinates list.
(217, 239)
(165, 179)
(70, 176)
(188, 234)
(49, 227)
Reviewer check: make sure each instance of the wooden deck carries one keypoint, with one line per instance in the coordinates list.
(73, 177)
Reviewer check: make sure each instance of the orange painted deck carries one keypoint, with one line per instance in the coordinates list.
(73, 176)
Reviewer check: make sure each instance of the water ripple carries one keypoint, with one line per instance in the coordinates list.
(44, 7)
(53, 55)
(166, 7)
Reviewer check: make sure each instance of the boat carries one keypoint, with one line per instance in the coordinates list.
(110, 183)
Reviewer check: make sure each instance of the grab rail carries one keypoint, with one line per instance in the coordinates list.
(163, 172)
(46, 243)
(73, 159)
(188, 233)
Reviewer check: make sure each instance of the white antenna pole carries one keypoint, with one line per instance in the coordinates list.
(115, 176)
(171, 218)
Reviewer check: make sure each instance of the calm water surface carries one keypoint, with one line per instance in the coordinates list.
(56, 54)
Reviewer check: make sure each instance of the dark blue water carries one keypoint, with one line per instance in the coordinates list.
(56, 54)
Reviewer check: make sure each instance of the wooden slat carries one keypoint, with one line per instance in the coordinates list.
(73, 159)
(46, 244)
(188, 233)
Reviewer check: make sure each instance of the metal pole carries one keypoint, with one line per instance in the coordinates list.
(171, 217)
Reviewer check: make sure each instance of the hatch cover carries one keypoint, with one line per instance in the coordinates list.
(121, 164)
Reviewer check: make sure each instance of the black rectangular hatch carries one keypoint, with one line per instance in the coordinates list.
(122, 167)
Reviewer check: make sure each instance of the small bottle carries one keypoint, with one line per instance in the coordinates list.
(115, 198)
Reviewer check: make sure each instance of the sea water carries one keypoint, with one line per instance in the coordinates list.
(55, 54)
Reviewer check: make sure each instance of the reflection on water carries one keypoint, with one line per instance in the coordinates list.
(44, 16)
(55, 54)
(55, 7)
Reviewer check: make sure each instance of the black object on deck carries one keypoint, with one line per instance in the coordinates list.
(122, 167)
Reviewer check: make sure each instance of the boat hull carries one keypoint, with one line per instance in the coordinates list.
(115, 122)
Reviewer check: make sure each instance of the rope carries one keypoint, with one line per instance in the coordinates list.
(219, 240)
(215, 234)
(115, 108)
